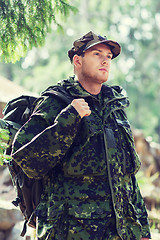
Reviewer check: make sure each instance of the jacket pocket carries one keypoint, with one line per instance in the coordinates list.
(90, 210)
(132, 160)
(55, 212)
(49, 217)
(126, 127)
(133, 213)
(133, 225)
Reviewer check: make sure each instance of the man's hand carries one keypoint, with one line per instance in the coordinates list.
(144, 238)
(81, 107)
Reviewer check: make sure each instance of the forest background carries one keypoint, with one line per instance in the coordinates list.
(135, 24)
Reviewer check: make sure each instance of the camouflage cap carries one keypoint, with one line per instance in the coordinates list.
(89, 40)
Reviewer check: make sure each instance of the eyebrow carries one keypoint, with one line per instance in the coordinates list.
(95, 49)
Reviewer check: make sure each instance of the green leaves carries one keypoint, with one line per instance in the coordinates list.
(25, 23)
(3, 145)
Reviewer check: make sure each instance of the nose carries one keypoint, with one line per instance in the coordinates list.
(105, 61)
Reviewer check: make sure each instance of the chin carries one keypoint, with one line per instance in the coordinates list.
(104, 80)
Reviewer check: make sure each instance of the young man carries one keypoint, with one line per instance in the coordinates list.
(85, 154)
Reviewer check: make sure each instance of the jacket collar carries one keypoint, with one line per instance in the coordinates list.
(74, 88)
(110, 93)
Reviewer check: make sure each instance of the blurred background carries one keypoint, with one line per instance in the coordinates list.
(135, 24)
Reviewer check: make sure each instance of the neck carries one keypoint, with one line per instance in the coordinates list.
(91, 87)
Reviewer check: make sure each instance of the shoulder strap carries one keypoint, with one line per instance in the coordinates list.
(58, 92)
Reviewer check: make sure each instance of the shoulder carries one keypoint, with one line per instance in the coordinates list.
(119, 90)
(47, 107)
(51, 102)
(115, 90)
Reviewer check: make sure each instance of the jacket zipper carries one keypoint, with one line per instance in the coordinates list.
(108, 169)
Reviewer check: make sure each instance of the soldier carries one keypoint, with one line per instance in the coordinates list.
(85, 155)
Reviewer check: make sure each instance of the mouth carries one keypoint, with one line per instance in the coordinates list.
(103, 69)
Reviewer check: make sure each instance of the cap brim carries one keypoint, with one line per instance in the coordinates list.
(115, 47)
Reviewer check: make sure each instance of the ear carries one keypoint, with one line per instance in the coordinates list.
(77, 60)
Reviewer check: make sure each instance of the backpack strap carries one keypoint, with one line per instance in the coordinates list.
(58, 92)
(24, 230)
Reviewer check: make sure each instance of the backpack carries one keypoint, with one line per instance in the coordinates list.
(16, 114)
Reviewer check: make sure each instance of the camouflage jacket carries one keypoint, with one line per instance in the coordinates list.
(84, 162)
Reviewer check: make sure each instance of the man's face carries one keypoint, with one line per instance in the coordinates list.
(95, 64)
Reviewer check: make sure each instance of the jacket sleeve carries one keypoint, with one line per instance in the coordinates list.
(44, 140)
(140, 208)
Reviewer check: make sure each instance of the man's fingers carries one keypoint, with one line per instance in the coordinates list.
(81, 106)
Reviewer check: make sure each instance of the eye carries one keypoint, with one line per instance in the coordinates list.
(109, 57)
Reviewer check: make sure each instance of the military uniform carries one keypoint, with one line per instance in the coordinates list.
(88, 167)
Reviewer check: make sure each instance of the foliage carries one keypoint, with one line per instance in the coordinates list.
(3, 145)
(25, 23)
